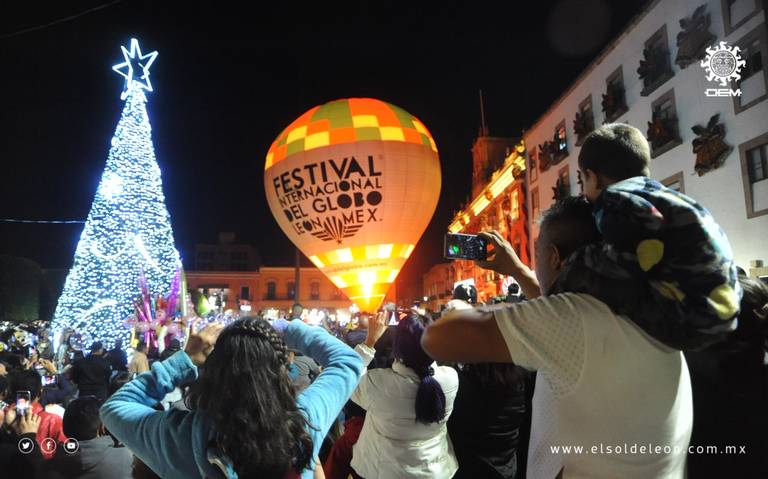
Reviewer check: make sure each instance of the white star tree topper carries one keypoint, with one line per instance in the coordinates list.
(135, 68)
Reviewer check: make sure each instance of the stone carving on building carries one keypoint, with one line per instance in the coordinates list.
(694, 37)
(546, 155)
(709, 146)
(583, 124)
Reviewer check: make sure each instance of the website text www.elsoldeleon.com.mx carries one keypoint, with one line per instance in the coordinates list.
(647, 449)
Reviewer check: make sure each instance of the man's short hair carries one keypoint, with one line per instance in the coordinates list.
(81, 418)
(25, 380)
(465, 292)
(569, 225)
(616, 150)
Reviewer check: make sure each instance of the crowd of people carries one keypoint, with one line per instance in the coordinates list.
(635, 330)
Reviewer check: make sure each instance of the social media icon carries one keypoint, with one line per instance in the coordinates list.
(48, 445)
(26, 445)
(71, 446)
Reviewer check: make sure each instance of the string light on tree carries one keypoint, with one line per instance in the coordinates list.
(128, 228)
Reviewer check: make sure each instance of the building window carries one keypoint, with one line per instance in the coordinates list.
(535, 204)
(758, 170)
(314, 290)
(561, 139)
(533, 165)
(754, 82)
(584, 122)
(737, 12)
(662, 129)
(514, 212)
(655, 68)
(675, 182)
(337, 294)
(562, 188)
(291, 290)
(245, 293)
(754, 172)
(271, 290)
(614, 99)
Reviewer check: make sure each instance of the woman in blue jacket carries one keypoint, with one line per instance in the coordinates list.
(245, 420)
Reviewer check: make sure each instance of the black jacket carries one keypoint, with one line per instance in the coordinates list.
(91, 375)
(485, 428)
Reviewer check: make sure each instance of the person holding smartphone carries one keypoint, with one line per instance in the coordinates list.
(26, 388)
(57, 389)
(407, 408)
(21, 426)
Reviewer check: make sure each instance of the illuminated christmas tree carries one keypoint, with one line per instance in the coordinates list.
(128, 228)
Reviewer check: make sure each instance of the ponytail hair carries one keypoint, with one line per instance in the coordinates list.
(430, 398)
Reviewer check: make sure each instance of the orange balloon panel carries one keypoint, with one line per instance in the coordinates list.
(354, 183)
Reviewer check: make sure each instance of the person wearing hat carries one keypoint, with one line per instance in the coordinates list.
(92, 373)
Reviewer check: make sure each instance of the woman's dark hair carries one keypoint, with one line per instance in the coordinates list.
(25, 380)
(245, 389)
(430, 399)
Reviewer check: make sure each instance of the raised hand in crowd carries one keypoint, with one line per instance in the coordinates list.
(27, 423)
(48, 365)
(504, 260)
(202, 341)
(377, 326)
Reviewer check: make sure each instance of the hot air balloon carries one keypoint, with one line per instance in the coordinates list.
(354, 183)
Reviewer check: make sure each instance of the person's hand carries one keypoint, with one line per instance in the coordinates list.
(48, 365)
(201, 342)
(28, 423)
(377, 326)
(10, 416)
(503, 259)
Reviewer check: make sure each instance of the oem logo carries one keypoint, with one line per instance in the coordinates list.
(723, 64)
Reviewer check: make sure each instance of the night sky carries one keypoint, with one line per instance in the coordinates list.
(229, 78)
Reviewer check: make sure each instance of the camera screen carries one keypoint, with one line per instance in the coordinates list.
(461, 246)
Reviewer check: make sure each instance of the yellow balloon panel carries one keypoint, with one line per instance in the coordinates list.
(356, 205)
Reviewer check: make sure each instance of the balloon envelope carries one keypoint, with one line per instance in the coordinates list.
(353, 183)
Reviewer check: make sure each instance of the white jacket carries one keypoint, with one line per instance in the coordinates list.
(392, 445)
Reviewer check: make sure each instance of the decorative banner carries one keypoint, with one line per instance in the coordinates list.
(354, 183)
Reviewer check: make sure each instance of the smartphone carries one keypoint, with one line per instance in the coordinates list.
(49, 380)
(23, 399)
(462, 246)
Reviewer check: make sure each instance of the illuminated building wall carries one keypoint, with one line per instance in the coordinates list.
(499, 205)
(271, 287)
